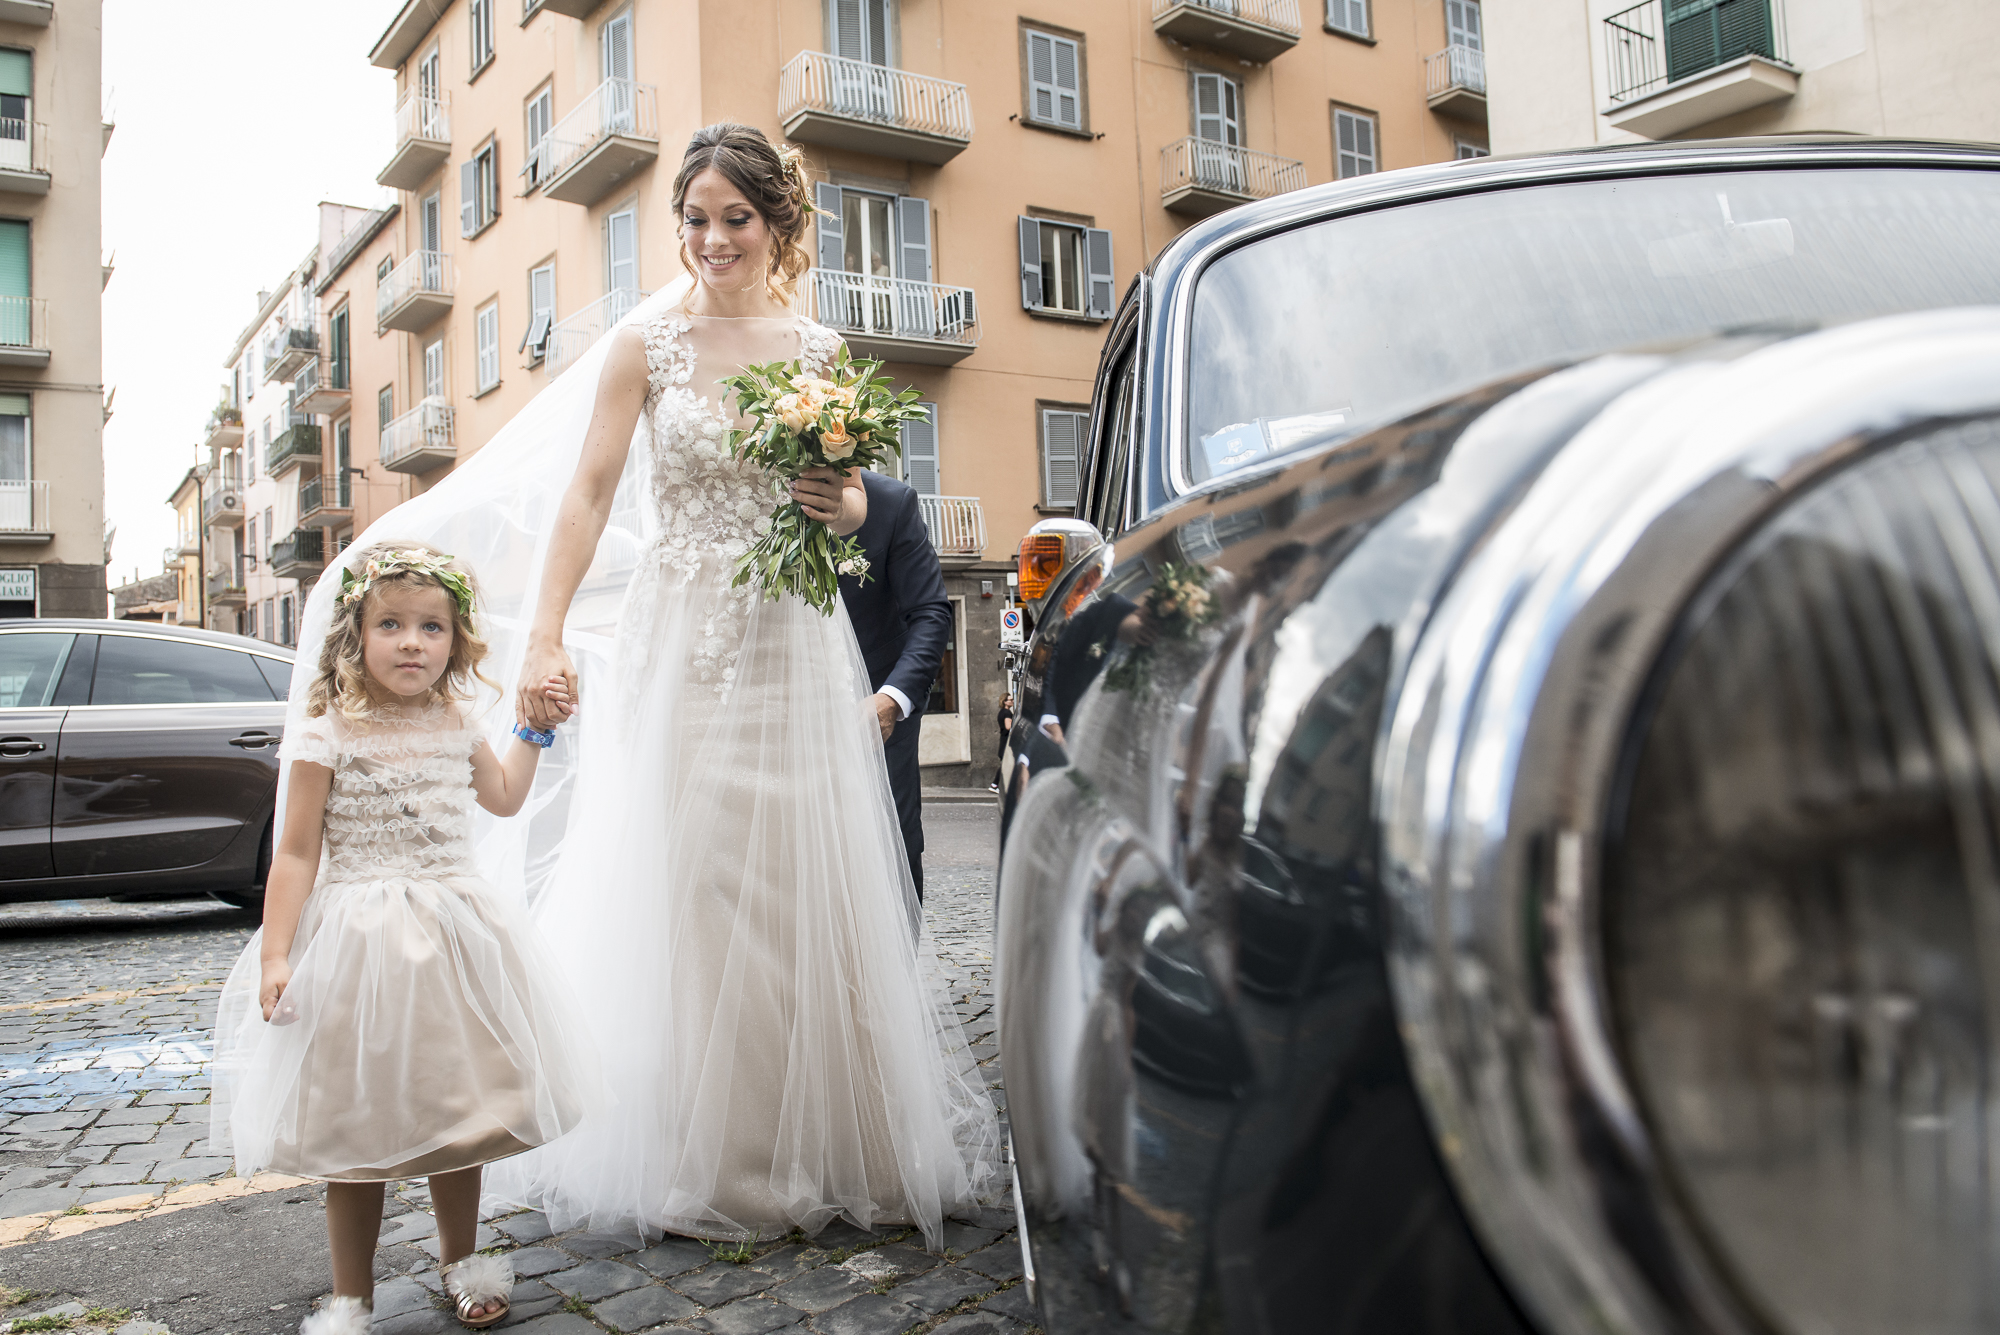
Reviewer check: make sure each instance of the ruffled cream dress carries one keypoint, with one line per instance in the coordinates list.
(422, 1030)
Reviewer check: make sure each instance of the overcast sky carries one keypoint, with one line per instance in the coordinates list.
(235, 118)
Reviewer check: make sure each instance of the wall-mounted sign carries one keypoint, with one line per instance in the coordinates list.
(1010, 629)
(17, 585)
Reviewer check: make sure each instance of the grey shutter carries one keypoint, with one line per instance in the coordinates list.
(1031, 264)
(826, 199)
(1062, 435)
(1054, 84)
(468, 196)
(615, 50)
(1217, 109)
(913, 230)
(621, 246)
(1102, 292)
(847, 35)
(920, 451)
(1069, 99)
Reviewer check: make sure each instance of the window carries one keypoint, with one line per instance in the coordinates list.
(943, 698)
(486, 333)
(541, 312)
(336, 349)
(479, 190)
(614, 62)
(1054, 75)
(17, 89)
(270, 529)
(343, 457)
(920, 451)
(621, 251)
(250, 556)
(285, 626)
(482, 34)
(385, 407)
(277, 672)
(382, 268)
(1467, 149)
(1066, 268)
(541, 115)
(434, 370)
(15, 306)
(859, 30)
(17, 462)
(1355, 151)
(1348, 16)
(1062, 448)
(29, 668)
(141, 670)
(1461, 23)
(1218, 109)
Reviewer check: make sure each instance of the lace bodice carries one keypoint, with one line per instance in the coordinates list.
(402, 796)
(705, 501)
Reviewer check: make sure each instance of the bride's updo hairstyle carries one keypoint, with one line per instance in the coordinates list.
(772, 179)
(341, 685)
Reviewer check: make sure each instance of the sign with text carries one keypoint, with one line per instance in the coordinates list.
(1010, 629)
(17, 585)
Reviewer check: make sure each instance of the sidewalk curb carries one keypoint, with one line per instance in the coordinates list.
(960, 796)
(52, 1224)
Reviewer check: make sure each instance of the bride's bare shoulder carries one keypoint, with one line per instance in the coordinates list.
(625, 361)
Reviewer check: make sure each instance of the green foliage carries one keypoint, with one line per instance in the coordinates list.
(107, 1316)
(31, 1325)
(737, 1253)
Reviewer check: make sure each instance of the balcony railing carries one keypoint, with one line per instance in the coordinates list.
(225, 428)
(571, 338)
(957, 524)
(1455, 81)
(294, 446)
(313, 392)
(1645, 51)
(829, 99)
(226, 587)
(286, 351)
(223, 505)
(24, 509)
(420, 440)
(897, 319)
(24, 156)
(416, 293)
(423, 139)
(605, 139)
(1200, 176)
(1253, 29)
(24, 335)
(301, 553)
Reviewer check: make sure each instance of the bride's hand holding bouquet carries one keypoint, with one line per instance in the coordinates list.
(800, 422)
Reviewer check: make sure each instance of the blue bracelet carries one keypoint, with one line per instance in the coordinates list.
(545, 740)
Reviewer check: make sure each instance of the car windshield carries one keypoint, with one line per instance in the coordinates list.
(1343, 325)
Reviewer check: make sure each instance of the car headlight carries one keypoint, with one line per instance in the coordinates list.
(1802, 910)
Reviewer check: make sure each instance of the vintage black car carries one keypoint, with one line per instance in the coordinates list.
(137, 760)
(1504, 829)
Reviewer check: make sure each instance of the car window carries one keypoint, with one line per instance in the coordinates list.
(140, 670)
(1344, 325)
(1112, 463)
(276, 671)
(30, 665)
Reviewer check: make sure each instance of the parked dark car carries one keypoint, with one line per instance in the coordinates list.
(136, 759)
(1512, 836)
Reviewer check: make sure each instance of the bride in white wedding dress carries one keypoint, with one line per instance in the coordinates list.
(731, 901)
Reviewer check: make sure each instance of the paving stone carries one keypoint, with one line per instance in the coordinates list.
(841, 1234)
(894, 1262)
(52, 1121)
(870, 1314)
(963, 1238)
(675, 1256)
(155, 1097)
(482, 1238)
(942, 1289)
(557, 1323)
(89, 1154)
(793, 1261)
(96, 1194)
(523, 1310)
(1013, 1302)
(112, 1174)
(828, 1286)
(528, 1227)
(133, 1116)
(394, 1297)
(980, 1323)
(532, 1261)
(596, 1246)
(751, 1316)
(428, 1321)
(723, 1282)
(201, 1170)
(95, 1102)
(596, 1280)
(136, 1327)
(118, 1135)
(408, 1228)
(640, 1309)
(1002, 1261)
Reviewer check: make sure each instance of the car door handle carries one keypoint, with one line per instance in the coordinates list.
(14, 748)
(249, 741)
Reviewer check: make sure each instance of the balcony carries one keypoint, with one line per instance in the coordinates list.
(897, 319)
(416, 295)
(225, 589)
(612, 134)
(24, 512)
(571, 338)
(24, 157)
(189, 545)
(1455, 82)
(288, 351)
(575, 9)
(1199, 176)
(423, 140)
(28, 13)
(223, 507)
(1710, 61)
(327, 500)
(296, 446)
(890, 113)
(300, 556)
(957, 525)
(314, 391)
(225, 428)
(170, 559)
(420, 440)
(1257, 30)
(24, 331)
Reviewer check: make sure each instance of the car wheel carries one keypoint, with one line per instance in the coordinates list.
(253, 898)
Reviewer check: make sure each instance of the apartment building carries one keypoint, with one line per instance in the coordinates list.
(182, 561)
(52, 140)
(990, 180)
(1613, 71)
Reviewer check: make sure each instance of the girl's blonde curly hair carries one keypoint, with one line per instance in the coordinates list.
(342, 682)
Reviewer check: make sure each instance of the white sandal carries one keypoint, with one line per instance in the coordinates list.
(473, 1281)
(340, 1316)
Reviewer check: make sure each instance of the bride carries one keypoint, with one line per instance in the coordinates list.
(732, 902)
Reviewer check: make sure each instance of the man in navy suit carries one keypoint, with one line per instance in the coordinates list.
(903, 621)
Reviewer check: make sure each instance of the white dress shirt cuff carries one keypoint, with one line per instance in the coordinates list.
(902, 701)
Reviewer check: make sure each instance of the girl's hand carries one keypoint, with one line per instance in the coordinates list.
(533, 703)
(277, 977)
(556, 691)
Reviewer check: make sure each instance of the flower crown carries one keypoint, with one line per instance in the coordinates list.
(792, 160)
(433, 564)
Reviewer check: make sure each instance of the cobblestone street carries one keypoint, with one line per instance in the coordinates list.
(110, 1201)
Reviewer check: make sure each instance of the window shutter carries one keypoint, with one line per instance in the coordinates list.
(489, 347)
(1031, 264)
(1217, 109)
(920, 451)
(14, 278)
(468, 196)
(1103, 290)
(1062, 433)
(1041, 77)
(913, 228)
(17, 72)
(621, 251)
(826, 199)
(847, 35)
(1069, 90)
(615, 53)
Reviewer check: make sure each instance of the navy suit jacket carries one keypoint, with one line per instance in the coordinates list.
(901, 615)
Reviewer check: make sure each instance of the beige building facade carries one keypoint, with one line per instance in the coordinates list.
(1607, 71)
(52, 402)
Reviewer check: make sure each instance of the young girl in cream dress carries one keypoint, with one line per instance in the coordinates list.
(393, 1018)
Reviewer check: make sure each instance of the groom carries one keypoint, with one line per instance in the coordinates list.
(903, 620)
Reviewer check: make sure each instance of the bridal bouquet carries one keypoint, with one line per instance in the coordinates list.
(800, 421)
(1176, 609)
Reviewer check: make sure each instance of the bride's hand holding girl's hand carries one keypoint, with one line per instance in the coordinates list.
(548, 692)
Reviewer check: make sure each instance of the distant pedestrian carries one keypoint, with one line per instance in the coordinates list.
(1005, 719)
(393, 1018)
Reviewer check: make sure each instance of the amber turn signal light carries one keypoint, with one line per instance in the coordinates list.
(1040, 561)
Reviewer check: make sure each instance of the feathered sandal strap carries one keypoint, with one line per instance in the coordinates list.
(473, 1281)
(340, 1316)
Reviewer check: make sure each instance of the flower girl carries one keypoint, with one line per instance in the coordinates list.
(393, 1017)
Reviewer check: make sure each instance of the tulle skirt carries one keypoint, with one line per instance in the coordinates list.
(421, 1032)
(734, 908)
